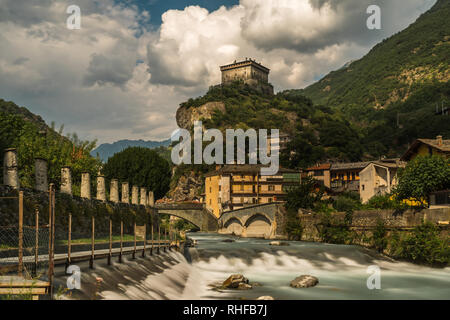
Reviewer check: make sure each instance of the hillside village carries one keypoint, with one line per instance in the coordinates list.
(230, 187)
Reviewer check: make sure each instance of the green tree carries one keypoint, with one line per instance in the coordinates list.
(423, 175)
(304, 196)
(142, 167)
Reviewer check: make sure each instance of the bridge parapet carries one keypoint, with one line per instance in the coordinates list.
(179, 206)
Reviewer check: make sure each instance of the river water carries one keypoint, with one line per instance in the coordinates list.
(341, 270)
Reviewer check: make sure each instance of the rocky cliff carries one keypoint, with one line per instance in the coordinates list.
(187, 115)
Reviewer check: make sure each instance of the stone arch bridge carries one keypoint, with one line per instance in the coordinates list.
(195, 213)
(258, 221)
(261, 221)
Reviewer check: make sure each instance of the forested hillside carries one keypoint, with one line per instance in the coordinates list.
(21, 129)
(392, 93)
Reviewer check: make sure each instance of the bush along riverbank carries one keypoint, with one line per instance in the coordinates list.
(426, 243)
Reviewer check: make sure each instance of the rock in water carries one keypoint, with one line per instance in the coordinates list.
(234, 280)
(265, 298)
(278, 243)
(228, 240)
(304, 281)
(244, 286)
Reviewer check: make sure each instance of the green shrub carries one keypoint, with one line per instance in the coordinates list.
(294, 228)
(344, 204)
(333, 231)
(385, 202)
(379, 239)
(424, 246)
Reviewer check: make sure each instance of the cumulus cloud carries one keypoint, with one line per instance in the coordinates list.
(299, 40)
(115, 79)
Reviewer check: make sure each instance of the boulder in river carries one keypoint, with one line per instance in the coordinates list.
(228, 240)
(234, 280)
(278, 243)
(304, 281)
(244, 286)
(265, 298)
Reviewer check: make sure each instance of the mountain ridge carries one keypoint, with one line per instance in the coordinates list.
(387, 74)
(107, 150)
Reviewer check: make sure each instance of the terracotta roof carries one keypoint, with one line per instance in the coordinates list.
(245, 168)
(350, 165)
(444, 147)
(324, 166)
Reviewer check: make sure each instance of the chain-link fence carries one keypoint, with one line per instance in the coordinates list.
(27, 257)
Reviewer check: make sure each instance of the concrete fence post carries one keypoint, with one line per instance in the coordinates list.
(151, 199)
(86, 185)
(135, 195)
(66, 180)
(125, 192)
(40, 172)
(11, 169)
(101, 188)
(143, 196)
(114, 191)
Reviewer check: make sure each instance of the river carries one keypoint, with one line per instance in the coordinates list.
(341, 270)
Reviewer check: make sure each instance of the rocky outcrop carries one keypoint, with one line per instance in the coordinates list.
(236, 281)
(304, 281)
(187, 115)
(188, 188)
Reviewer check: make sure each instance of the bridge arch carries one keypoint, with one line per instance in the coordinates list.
(194, 213)
(258, 226)
(233, 226)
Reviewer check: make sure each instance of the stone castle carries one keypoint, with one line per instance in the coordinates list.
(248, 71)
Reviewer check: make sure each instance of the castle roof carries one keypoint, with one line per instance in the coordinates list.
(244, 63)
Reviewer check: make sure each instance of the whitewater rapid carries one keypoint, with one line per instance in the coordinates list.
(341, 270)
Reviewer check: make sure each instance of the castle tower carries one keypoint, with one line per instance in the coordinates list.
(248, 71)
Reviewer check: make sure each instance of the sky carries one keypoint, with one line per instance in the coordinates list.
(125, 72)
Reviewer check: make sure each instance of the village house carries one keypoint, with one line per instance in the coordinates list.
(320, 172)
(424, 147)
(235, 186)
(378, 178)
(440, 147)
(345, 176)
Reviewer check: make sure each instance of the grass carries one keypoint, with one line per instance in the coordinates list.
(126, 238)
